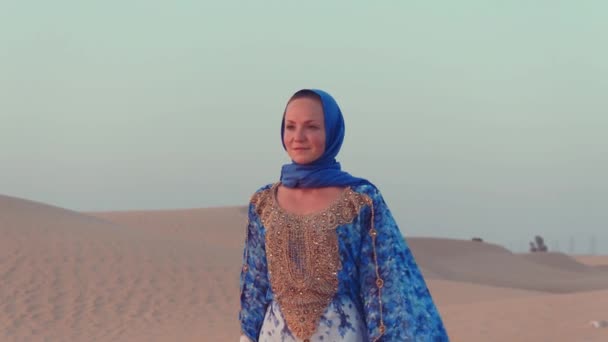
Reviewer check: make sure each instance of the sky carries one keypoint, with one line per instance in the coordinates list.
(474, 118)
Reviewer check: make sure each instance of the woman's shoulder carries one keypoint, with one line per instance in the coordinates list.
(264, 187)
(261, 194)
(367, 188)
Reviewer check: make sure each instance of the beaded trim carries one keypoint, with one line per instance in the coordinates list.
(379, 281)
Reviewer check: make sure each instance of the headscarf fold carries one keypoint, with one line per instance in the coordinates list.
(325, 171)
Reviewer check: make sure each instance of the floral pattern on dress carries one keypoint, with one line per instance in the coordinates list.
(340, 322)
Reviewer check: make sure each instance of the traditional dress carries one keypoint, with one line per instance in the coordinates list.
(342, 274)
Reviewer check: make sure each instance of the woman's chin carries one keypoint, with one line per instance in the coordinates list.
(301, 160)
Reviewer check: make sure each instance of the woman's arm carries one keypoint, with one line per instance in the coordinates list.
(397, 303)
(254, 282)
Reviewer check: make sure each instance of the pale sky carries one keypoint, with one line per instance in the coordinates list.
(474, 118)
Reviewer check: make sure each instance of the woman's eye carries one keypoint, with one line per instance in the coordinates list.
(292, 127)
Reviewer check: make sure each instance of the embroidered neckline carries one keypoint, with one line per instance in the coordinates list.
(303, 255)
(309, 216)
(316, 257)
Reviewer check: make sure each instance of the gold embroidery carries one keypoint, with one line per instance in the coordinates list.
(303, 256)
(379, 282)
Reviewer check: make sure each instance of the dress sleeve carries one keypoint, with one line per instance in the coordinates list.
(254, 281)
(397, 303)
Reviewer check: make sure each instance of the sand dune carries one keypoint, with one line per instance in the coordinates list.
(66, 276)
(172, 275)
(549, 317)
(490, 264)
(557, 260)
(592, 260)
(209, 226)
(446, 292)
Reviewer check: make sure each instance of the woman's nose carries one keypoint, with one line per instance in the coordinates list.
(299, 134)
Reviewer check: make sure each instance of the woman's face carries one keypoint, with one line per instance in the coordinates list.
(304, 135)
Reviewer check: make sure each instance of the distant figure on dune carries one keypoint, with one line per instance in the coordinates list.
(324, 259)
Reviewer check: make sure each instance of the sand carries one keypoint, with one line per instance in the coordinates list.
(172, 275)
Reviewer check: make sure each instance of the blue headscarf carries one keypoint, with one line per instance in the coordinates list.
(325, 171)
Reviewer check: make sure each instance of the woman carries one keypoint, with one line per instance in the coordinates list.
(324, 259)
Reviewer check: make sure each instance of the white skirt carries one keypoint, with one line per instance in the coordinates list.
(341, 322)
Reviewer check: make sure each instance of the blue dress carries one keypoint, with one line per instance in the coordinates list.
(343, 274)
